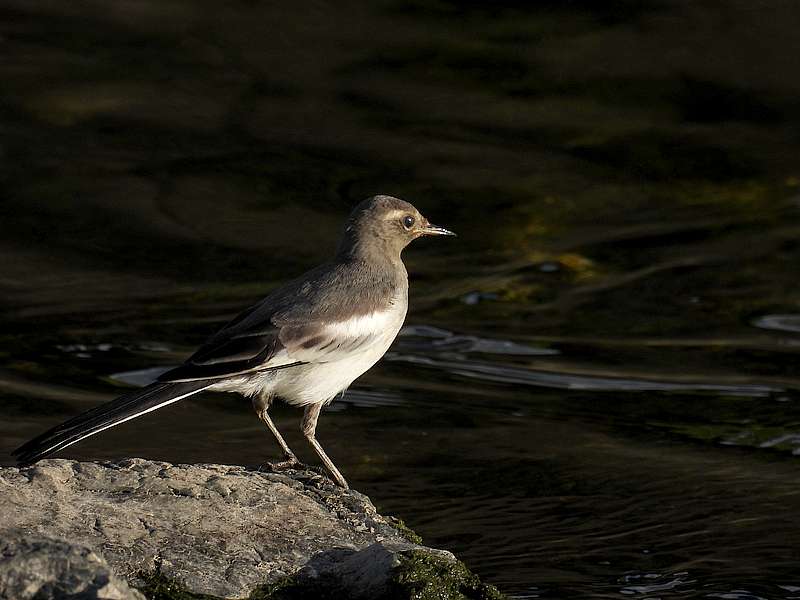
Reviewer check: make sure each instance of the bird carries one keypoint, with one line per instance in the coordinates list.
(304, 343)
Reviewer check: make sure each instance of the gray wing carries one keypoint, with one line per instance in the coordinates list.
(226, 356)
(296, 324)
(263, 345)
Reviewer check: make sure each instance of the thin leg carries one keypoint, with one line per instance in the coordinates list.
(290, 458)
(309, 430)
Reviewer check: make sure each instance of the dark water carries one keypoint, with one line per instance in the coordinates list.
(598, 394)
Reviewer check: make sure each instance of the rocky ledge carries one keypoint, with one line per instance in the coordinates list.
(141, 529)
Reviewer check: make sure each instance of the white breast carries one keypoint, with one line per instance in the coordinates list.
(321, 382)
(332, 373)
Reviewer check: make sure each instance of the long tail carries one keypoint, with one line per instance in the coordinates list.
(98, 419)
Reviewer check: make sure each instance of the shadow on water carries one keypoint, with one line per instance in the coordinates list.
(597, 393)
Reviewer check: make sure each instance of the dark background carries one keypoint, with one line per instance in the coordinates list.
(598, 396)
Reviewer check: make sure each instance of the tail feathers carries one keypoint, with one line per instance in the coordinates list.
(108, 415)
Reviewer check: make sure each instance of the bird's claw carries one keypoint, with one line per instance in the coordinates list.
(291, 462)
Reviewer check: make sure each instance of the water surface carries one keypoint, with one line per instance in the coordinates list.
(597, 393)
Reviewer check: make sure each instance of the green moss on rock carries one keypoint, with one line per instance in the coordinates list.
(425, 576)
(406, 531)
(157, 586)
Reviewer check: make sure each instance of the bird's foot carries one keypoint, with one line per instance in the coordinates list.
(291, 462)
(341, 481)
(335, 477)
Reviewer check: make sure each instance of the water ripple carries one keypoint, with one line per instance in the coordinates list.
(140, 377)
(649, 583)
(440, 340)
(506, 374)
(779, 322)
(736, 595)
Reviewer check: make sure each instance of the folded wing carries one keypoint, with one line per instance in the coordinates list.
(271, 347)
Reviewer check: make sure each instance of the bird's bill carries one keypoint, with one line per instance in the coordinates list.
(436, 230)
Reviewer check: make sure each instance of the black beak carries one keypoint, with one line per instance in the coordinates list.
(436, 230)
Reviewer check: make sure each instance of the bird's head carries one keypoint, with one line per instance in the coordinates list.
(386, 224)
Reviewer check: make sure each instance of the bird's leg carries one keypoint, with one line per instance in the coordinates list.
(309, 427)
(290, 460)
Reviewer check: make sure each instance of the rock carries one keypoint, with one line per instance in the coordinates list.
(219, 530)
(390, 571)
(46, 568)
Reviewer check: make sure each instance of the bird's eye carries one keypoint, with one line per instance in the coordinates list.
(408, 222)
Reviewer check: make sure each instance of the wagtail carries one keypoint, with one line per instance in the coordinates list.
(305, 343)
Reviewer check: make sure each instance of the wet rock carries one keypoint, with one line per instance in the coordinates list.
(219, 530)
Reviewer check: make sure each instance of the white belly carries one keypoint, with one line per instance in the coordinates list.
(317, 382)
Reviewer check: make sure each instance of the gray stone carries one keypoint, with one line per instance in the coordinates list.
(220, 530)
(44, 569)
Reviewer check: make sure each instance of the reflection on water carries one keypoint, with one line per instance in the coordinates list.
(506, 374)
(598, 390)
(441, 340)
(779, 322)
(651, 583)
